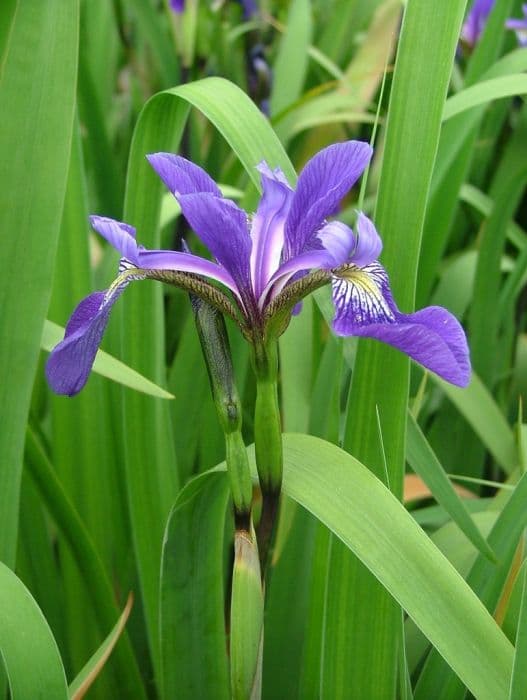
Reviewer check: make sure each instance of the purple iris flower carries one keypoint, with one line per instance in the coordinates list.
(475, 21)
(268, 262)
(519, 26)
(250, 8)
(177, 5)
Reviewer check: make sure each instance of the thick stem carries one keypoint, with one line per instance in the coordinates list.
(268, 443)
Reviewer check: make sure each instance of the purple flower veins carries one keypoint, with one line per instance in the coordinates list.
(268, 262)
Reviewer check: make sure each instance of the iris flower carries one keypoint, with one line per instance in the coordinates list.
(264, 264)
(519, 26)
(249, 7)
(177, 5)
(475, 21)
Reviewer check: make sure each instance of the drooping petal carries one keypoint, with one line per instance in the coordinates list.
(267, 229)
(70, 362)
(181, 176)
(432, 336)
(222, 227)
(369, 244)
(322, 184)
(361, 297)
(121, 236)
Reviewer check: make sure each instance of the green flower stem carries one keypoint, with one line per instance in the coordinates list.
(215, 345)
(267, 441)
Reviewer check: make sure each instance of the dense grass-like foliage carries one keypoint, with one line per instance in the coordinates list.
(392, 559)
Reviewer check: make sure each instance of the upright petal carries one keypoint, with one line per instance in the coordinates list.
(222, 227)
(71, 361)
(322, 184)
(121, 236)
(309, 260)
(369, 243)
(267, 229)
(181, 176)
(432, 336)
(177, 5)
(339, 240)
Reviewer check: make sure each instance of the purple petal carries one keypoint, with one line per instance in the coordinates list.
(322, 184)
(121, 236)
(222, 227)
(185, 262)
(519, 26)
(476, 20)
(250, 8)
(432, 336)
(267, 230)
(177, 5)
(310, 260)
(339, 240)
(181, 176)
(70, 362)
(369, 244)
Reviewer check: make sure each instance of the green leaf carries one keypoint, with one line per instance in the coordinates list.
(426, 49)
(39, 85)
(361, 512)
(106, 365)
(424, 462)
(27, 646)
(150, 27)
(508, 186)
(487, 580)
(477, 406)
(483, 92)
(193, 643)
(356, 506)
(291, 62)
(88, 561)
(458, 140)
(518, 689)
(484, 205)
(83, 680)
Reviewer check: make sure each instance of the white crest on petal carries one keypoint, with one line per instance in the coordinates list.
(358, 295)
(126, 276)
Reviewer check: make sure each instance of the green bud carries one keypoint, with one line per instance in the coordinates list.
(247, 608)
(215, 345)
(267, 425)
